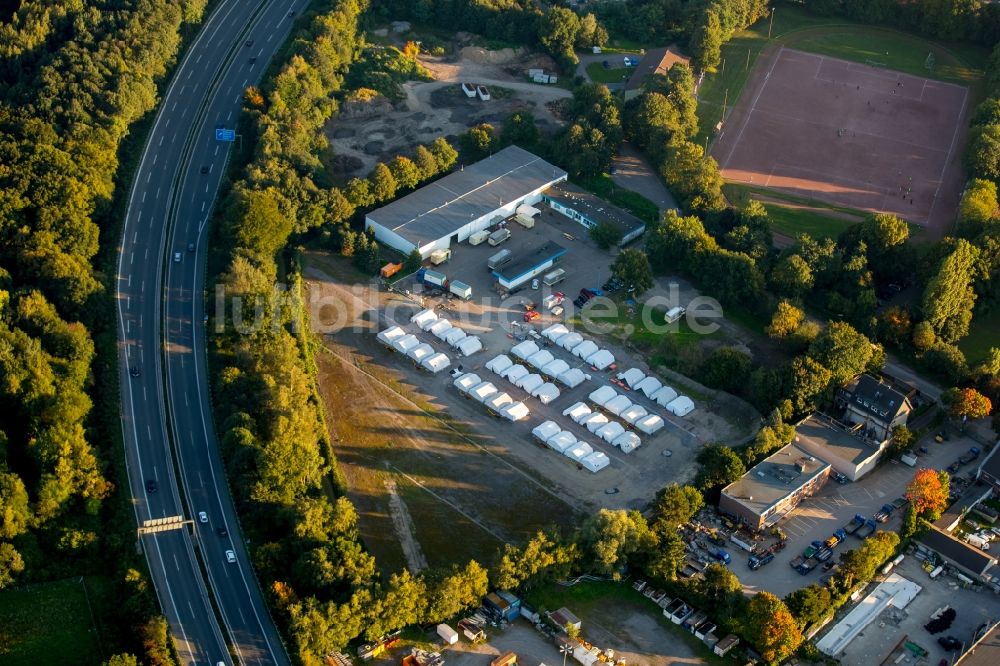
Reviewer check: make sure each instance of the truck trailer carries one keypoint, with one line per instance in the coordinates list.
(499, 236)
(478, 237)
(460, 289)
(433, 278)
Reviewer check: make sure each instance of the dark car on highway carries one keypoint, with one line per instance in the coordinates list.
(150, 486)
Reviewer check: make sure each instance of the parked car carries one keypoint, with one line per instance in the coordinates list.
(532, 316)
(838, 477)
(534, 283)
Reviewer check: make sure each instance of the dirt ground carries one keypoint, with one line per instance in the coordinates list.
(851, 134)
(364, 133)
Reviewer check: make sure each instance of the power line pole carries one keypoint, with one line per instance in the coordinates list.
(748, 58)
(771, 24)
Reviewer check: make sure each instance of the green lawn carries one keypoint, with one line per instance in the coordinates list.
(835, 37)
(981, 337)
(597, 73)
(48, 624)
(792, 221)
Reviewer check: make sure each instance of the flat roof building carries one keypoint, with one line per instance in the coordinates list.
(523, 269)
(832, 441)
(590, 210)
(471, 199)
(774, 487)
(895, 591)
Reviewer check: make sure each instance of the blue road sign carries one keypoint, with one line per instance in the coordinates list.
(223, 134)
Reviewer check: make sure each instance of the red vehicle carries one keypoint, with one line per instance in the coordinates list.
(532, 315)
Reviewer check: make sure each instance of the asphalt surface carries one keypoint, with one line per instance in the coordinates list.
(166, 419)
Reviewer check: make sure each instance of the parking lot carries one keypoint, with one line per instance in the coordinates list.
(893, 626)
(835, 505)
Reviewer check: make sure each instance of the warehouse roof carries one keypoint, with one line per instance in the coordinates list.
(985, 651)
(775, 478)
(595, 208)
(823, 432)
(530, 262)
(444, 206)
(958, 552)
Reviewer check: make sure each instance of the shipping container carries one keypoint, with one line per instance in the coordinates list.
(391, 269)
(478, 237)
(434, 278)
(501, 258)
(460, 289)
(555, 277)
(440, 256)
(449, 635)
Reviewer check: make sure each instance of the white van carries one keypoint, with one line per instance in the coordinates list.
(977, 541)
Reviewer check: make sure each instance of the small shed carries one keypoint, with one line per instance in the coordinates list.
(572, 377)
(602, 395)
(506, 659)
(454, 336)
(529, 382)
(498, 402)
(555, 368)
(449, 635)
(664, 396)
(440, 328)
(424, 316)
(627, 442)
(578, 451)
(499, 364)
(420, 352)
(649, 386)
(610, 432)
(541, 358)
(564, 618)
(388, 335)
(405, 343)
(723, 647)
(469, 345)
(570, 340)
(596, 461)
(649, 424)
(483, 391)
(632, 377)
(634, 413)
(555, 331)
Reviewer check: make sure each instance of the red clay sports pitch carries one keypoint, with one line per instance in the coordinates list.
(849, 134)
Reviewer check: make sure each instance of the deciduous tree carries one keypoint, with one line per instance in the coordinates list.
(809, 604)
(927, 493)
(967, 402)
(949, 298)
(786, 320)
(718, 466)
(631, 266)
(612, 537)
(771, 628)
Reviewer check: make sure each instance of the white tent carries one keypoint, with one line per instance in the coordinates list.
(424, 317)
(405, 343)
(420, 352)
(585, 349)
(561, 441)
(483, 391)
(546, 393)
(543, 432)
(440, 328)
(529, 382)
(577, 411)
(596, 461)
(634, 413)
(632, 377)
(467, 381)
(498, 402)
(454, 336)
(572, 377)
(610, 432)
(525, 209)
(664, 396)
(436, 363)
(579, 451)
(617, 405)
(595, 421)
(555, 368)
(515, 372)
(555, 331)
(499, 364)
(681, 405)
(570, 340)
(602, 395)
(470, 345)
(601, 359)
(541, 358)
(524, 349)
(627, 442)
(649, 423)
(515, 412)
(649, 386)
(388, 335)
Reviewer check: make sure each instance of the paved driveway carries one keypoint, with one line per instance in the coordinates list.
(635, 173)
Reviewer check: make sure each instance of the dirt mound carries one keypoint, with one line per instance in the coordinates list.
(356, 109)
(478, 54)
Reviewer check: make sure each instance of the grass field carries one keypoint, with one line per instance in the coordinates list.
(49, 623)
(799, 216)
(981, 337)
(835, 37)
(597, 72)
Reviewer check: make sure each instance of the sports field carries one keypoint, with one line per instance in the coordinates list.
(850, 134)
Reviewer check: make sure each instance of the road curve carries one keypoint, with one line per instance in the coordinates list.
(166, 418)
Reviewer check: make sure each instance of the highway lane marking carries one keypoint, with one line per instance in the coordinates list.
(203, 206)
(241, 614)
(163, 137)
(144, 398)
(229, 115)
(173, 107)
(128, 326)
(158, 193)
(245, 82)
(192, 610)
(156, 156)
(182, 90)
(269, 36)
(166, 124)
(147, 253)
(131, 259)
(185, 399)
(130, 279)
(143, 197)
(200, 479)
(135, 236)
(128, 302)
(149, 433)
(217, 150)
(148, 175)
(206, 188)
(178, 565)
(198, 59)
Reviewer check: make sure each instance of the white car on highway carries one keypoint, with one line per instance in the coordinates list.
(202, 517)
(230, 556)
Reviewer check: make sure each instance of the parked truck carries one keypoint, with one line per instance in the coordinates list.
(438, 257)
(823, 554)
(757, 561)
(432, 278)
(883, 514)
(460, 289)
(856, 522)
(835, 539)
(722, 555)
(808, 565)
(866, 530)
(970, 456)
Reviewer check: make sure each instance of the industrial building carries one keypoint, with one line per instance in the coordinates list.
(476, 197)
(540, 261)
(895, 591)
(774, 487)
(590, 210)
(829, 440)
(971, 562)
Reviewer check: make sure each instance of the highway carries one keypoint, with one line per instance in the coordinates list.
(166, 419)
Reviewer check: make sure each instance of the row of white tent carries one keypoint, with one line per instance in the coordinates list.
(518, 375)
(610, 431)
(422, 353)
(556, 369)
(566, 443)
(574, 343)
(655, 390)
(444, 330)
(496, 401)
(612, 402)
